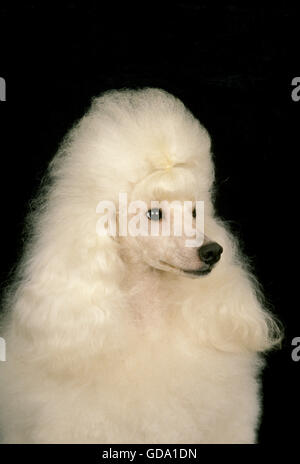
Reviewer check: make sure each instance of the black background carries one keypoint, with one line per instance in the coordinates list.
(232, 64)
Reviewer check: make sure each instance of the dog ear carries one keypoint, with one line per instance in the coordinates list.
(232, 316)
(241, 320)
(68, 304)
(230, 312)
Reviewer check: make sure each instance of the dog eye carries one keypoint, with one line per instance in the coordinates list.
(154, 214)
(194, 212)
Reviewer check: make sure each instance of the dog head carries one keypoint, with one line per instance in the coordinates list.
(164, 167)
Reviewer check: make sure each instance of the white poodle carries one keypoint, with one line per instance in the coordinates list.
(129, 338)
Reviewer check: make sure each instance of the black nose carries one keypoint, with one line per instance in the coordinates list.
(210, 253)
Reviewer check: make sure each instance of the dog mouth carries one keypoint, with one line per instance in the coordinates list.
(199, 272)
(204, 270)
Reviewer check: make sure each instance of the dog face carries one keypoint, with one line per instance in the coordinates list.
(169, 237)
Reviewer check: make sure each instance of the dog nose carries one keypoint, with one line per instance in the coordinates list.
(210, 253)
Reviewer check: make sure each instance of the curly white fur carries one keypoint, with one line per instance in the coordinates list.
(103, 346)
